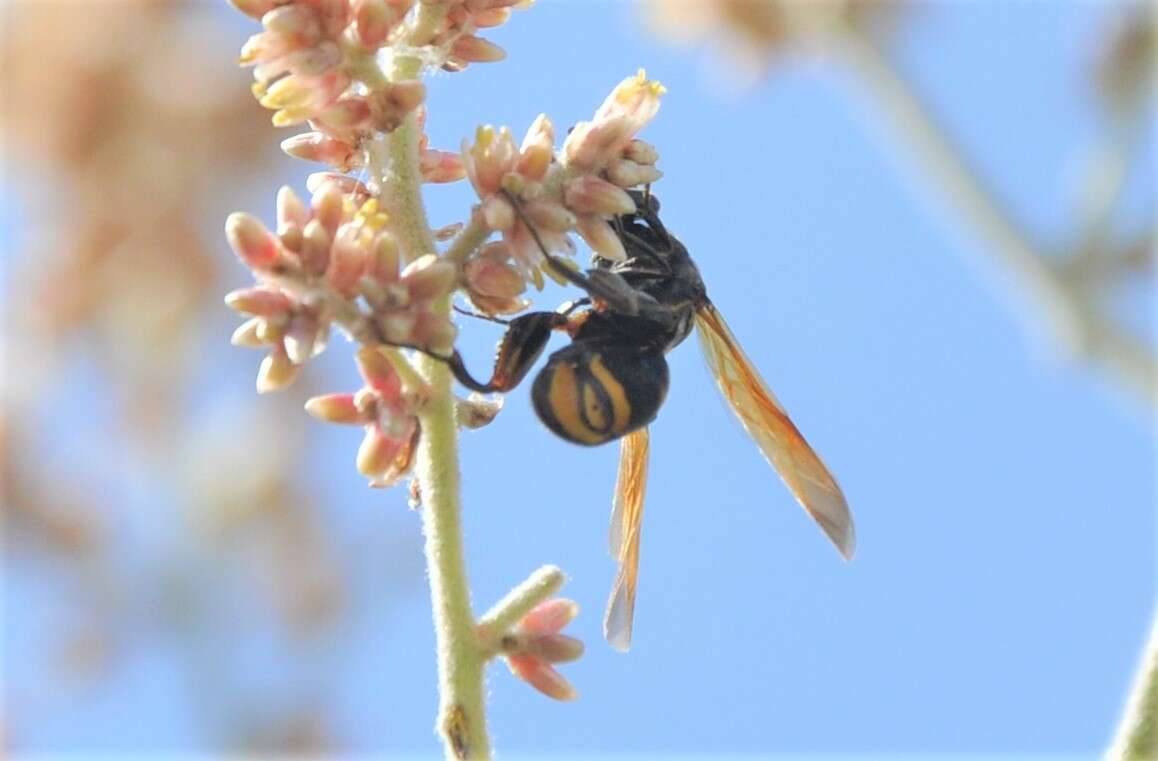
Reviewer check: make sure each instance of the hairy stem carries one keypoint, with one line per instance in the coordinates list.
(1069, 312)
(461, 661)
(468, 241)
(519, 602)
(1137, 736)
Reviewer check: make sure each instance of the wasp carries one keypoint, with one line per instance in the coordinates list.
(611, 380)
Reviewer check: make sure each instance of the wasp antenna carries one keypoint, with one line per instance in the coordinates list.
(534, 233)
(556, 266)
(479, 315)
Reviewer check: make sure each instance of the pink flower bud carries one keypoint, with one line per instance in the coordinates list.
(635, 98)
(490, 17)
(270, 331)
(498, 306)
(630, 106)
(276, 371)
(537, 149)
(378, 372)
(491, 156)
(262, 47)
(255, 8)
(335, 408)
(550, 617)
(344, 183)
(590, 145)
(601, 238)
(349, 112)
(259, 301)
(290, 208)
(476, 50)
(549, 215)
(347, 260)
(428, 277)
(629, 174)
(554, 648)
(327, 203)
(300, 338)
(441, 166)
(252, 242)
(286, 93)
(498, 213)
(640, 152)
(377, 453)
(290, 237)
(374, 20)
(248, 334)
(315, 247)
(334, 14)
(541, 676)
(589, 194)
(298, 23)
(317, 146)
(314, 61)
(384, 259)
(488, 276)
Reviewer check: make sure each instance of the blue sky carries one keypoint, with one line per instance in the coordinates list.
(1004, 497)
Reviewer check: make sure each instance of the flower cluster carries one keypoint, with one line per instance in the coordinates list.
(310, 56)
(536, 643)
(316, 61)
(332, 257)
(455, 34)
(579, 189)
(386, 406)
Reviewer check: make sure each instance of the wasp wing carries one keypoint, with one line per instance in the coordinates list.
(626, 517)
(778, 438)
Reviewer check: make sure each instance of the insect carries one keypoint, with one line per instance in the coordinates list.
(611, 380)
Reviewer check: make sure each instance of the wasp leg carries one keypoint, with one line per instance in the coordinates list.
(602, 284)
(567, 307)
(517, 351)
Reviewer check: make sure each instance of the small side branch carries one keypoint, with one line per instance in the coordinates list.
(519, 601)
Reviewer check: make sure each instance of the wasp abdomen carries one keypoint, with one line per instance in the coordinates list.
(595, 394)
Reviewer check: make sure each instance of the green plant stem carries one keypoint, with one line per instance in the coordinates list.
(519, 602)
(1067, 311)
(461, 660)
(468, 241)
(1137, 736)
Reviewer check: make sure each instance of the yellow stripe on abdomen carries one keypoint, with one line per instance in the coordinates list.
(564, 397)
(614, 391)
(584, 401)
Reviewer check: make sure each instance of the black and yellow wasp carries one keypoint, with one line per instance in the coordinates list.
(610, 381)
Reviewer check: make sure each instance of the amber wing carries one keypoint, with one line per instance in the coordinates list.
(626, 517)
(778, 438)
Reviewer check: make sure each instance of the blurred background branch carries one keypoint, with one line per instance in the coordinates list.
(1062, 291)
